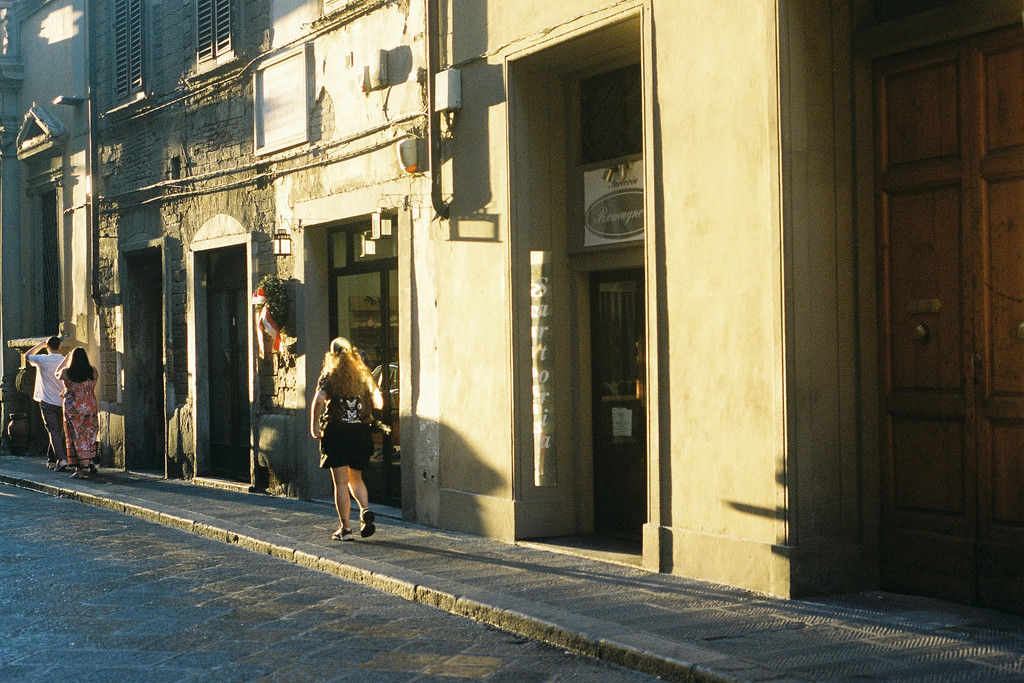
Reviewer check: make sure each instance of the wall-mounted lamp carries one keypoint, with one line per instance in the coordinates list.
(407, 151)
(282, 242)
(367, 246)
(380, 225)
(69, 100)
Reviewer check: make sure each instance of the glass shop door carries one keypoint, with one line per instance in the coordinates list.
(364, 308)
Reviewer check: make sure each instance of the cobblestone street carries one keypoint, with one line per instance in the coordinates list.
(91, 595)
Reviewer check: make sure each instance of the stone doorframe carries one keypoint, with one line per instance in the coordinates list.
(218, 232)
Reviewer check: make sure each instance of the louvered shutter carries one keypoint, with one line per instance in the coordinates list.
(127, 47)
(213, 18)
(223, 26)
(204, 19)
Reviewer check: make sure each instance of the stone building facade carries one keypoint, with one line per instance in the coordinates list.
(47, 277)
(225, 163)
(724, 289)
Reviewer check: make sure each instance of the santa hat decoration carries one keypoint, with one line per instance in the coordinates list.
(265, 322)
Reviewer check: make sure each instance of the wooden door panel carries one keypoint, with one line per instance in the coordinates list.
(950, 188)
(921, 119)
(1004, 98)
(924, 239)
(1003, 295)
(930, 565)
(927, 534)
(1007, 473)
(928, 467)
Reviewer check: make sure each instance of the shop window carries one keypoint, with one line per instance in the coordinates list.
(213, 20)
(611, 123)
(128, 48)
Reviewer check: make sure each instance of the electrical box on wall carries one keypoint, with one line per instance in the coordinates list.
(448, 90)
(374, 76)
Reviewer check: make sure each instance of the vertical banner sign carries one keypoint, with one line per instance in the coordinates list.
(540, 331)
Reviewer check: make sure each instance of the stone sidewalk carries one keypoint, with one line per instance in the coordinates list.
(667, 626)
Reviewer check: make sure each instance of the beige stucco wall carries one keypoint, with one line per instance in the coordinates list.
(827, 538)
(473, 307)
(715, 268)
(722, 367)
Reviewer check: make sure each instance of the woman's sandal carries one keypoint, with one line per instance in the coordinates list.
(342, 535)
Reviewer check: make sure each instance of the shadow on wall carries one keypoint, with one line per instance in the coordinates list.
(834, 571)
(464, 23)
(471, 169)
(473, 496)
(292, 456)
(759, 510)
(283, 446)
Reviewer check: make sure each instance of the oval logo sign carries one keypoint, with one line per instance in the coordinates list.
(618, 215)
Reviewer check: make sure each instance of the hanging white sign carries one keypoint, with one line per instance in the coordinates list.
(613, 200)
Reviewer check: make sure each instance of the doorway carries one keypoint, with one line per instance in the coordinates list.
(364, 309)
(50, 257)
(227, 306)
(618, 403)
(949, 124)
(143, 398)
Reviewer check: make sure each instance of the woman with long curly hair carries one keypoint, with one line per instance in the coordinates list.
(81, 415)
(340, 416)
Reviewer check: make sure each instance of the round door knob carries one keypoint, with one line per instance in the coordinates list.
(922, 332)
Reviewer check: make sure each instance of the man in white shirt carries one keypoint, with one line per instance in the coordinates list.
(47, 391)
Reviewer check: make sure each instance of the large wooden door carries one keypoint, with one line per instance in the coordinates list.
(950, 202)
(227, 307)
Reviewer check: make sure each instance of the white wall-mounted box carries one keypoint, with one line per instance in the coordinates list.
(448, 90)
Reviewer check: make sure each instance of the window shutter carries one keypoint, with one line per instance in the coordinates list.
(135, 45)
(128, 47)
(204, 20)
(223, 26)
(213, 18)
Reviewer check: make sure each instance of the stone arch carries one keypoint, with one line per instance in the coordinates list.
(217, 228)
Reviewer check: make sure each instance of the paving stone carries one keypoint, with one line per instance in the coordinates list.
(287, 623)
(669, 625)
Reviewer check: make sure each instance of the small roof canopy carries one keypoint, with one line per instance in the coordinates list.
(41, 130)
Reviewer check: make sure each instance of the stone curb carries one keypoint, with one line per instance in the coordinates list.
(549, 631)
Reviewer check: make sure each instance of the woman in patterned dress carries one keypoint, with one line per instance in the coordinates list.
(345, 393)
(81, 415)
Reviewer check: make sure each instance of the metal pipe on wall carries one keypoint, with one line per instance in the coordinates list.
(441, 207)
